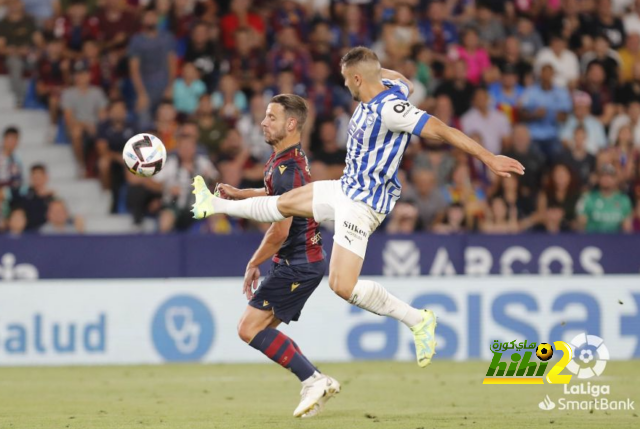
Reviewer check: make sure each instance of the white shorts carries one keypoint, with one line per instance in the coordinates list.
(354, 220)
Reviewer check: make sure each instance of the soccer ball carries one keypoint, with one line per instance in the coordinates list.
(144, 155)
(544, 351)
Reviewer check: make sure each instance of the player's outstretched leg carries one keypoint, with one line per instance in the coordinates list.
(371, 296)
(317, 388)
(261, 209)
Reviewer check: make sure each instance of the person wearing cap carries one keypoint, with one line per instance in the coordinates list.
(606, 209)
(84, 106)
(596, 137)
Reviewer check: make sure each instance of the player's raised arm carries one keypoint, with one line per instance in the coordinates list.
(501, 165)
(394, 75)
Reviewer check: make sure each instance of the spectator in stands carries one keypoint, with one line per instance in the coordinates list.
(355, 30)
(399, 35)
(116, 23)
(176, 178)
(52, 73)
(166, 125)
(84, 106)
(240, 16)
(629, 117)
(605, 210)
(473, 54)
(328, 158)
(289, 54)
(93, 61)
(530, 40)
(112, 135)
(595, 85)
(544, 107)
(403, 218)
(11, 174)
(211, 128)
(564, 62)
(461, 190)
(35, 199)
(484, 119)
(624, 156)
(290, 13)
(16, 223)
(188, 89)
(532, 160)
(581, 162)
(42, 11)
(562, 190)
(596, 138)
(630, 91)
(218, 224)
(457, 88)
(152, 64)
(453, 222)
(606, 57)
(631, 21)
(18, 33)
(505, 94)
(59, 222)
(553, 221)
(500, 219)
(205, 54)
(229, 100)
(608, 24)
(250, 128)
(490, 29)
(75, 27)
(438, 32)
(429, 200)
(409, 69)
(629, 55)
(322, 93)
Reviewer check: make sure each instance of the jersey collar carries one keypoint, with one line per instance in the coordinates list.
(288, 150)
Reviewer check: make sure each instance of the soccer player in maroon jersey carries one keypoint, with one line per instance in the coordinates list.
(295, 247)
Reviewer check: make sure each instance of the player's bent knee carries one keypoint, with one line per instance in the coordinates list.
(341, 288)
(246, 331)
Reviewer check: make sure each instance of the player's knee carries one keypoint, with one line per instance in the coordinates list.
(341, 288)
(244, 331)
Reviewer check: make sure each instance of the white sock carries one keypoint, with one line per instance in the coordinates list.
(312, 378)
(261, 209)
(372, 297)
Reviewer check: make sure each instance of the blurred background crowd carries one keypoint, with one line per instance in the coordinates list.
(554, 84)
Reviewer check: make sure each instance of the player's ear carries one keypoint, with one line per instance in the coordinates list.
(291, 125)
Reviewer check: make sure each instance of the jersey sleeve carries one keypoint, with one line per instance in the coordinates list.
(285, 177)
(404, 88)
(402, 116)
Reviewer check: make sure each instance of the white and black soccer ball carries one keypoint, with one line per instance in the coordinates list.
(144, 154)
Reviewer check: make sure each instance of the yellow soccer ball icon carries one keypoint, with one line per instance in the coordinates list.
(544, 351)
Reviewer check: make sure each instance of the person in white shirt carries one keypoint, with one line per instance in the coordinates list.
(491, 124)
(564, 62)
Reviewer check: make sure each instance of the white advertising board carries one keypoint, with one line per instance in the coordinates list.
(151, 321)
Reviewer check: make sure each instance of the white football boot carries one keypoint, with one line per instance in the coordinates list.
(315, 395)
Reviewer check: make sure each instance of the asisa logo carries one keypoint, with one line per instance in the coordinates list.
(182, 329)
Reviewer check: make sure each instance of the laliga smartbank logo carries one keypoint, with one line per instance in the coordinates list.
(585, 357)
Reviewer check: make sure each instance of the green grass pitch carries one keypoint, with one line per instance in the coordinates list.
(376, 395)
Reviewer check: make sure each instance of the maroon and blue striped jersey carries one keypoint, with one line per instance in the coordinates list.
(283, 172)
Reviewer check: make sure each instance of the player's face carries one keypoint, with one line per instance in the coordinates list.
(350, 81)
(273, 124)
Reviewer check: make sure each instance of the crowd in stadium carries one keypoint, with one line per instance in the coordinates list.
(554, 84)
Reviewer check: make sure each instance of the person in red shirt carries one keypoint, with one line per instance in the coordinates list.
(241, 17)
(76, 27)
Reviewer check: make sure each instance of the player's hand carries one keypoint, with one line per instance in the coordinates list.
(228, 192)
(251, 277)
(503, 165)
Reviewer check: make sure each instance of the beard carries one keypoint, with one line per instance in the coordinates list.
(275, 138)
(356, 96)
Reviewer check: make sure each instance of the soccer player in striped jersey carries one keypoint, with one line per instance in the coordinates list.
(379, 132)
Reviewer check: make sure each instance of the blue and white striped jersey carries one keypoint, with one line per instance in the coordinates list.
(379, 132)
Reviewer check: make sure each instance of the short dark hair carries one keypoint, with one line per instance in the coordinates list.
(38, 167)
(358, 55)
(293, 105)
(11, 130)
